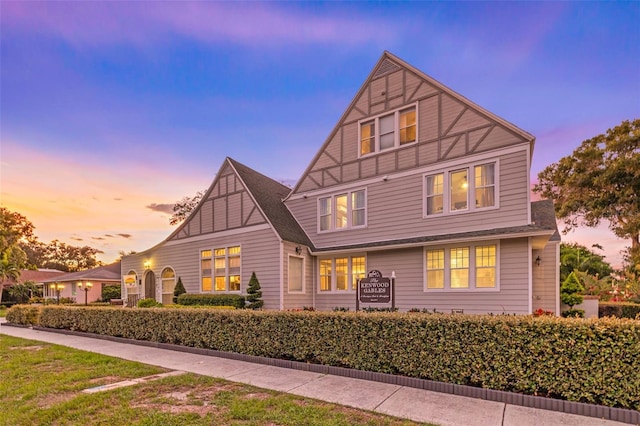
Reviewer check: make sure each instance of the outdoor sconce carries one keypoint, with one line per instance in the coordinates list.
(147, 264)
(538, 261)
(298, 250)
(57, 287)
(87, 287)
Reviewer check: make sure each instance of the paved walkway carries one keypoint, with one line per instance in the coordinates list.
(415, 404)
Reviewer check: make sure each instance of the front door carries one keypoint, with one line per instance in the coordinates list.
(150, 285)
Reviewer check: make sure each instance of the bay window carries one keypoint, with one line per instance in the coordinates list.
(388, 131)
(342, 211)
(341, 274)
(459, 268)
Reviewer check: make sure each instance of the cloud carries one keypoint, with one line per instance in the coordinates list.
(145, 23)
(162, 208)
(127, 236)
(108, 235)
(76, 238)
(98, 238)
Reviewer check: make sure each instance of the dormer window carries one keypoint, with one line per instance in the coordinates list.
(388, 131)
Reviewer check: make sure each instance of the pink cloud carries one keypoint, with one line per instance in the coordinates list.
(142, 23)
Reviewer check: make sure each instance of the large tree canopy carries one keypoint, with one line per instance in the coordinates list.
(600, 181)
(184, 207)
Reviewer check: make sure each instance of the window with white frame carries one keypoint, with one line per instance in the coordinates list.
(296, 274)
(387, 131)
(168, 278)
(133, 289)
(342, 211)
(341, 274)
(463, 267)
(450, 191)
(206, 281)
(226, 268)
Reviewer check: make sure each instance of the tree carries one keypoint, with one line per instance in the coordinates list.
(570, 293)
(184, 207)
(68, 258)
(600, 181)
(9, 271)
(575, 257)
(14, 228)
(178, 290)
(254, 295)
(22, 292)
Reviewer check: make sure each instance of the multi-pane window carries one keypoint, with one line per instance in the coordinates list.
(206, 283)
(342, 211)
(296, 274)
(485, 185)
(462, 267)
(168, 278)
(132, 288)
(220, 269)
(388, 131)
(435, 268)
(341, 273)
(449, 191)
(435, 188)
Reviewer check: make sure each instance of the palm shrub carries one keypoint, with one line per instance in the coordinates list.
(570, 294)
(254, 295)
(178, 290)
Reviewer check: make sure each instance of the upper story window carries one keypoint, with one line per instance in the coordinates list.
(461, 189)
(220, 269)
(342, 211)
(388, 131)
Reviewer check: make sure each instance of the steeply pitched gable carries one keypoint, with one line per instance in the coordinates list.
(448, 126)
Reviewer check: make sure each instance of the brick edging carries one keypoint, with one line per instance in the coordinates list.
(570, 407)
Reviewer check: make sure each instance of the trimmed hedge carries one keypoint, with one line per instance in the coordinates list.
(24, 314)
(619, 310)
(190, 299)
(592, 361)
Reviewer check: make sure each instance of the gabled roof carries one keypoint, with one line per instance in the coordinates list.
(102, 273)
(37, 276)
(543, 214)
(268, 195)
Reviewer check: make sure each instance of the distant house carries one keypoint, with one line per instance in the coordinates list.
(414, 181)
(72, 285)
(26, 275)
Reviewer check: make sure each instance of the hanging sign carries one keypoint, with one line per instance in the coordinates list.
(129, 280)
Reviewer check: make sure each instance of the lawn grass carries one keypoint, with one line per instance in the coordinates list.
(42, 383)
(3, 312)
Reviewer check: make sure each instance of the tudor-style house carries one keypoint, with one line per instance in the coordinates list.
(414, 181)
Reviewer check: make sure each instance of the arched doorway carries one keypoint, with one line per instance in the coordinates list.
(150, 285)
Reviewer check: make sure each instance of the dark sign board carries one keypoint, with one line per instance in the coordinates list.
(374, 288)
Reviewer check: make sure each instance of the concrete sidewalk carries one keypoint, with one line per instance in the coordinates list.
(415, 404)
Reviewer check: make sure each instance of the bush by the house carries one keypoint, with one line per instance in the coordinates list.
(254, 295)
(192, 299)
(570, 294)
(24, 314)
(619, 310)
(178, 290)
(111, 291)
(594, 361)
(148, 303)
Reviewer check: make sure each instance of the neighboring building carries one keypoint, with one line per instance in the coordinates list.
(72, 285)
(27, 275)
(415, 181)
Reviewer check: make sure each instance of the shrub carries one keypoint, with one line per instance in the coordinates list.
(254, 295)
(24, 314)
(148, 303)
(178, 290)
(570, 291)
(111, 291)
(191, 299)
(67, 300)
(340, 309)
(541, 312)
(619, 310)
(573, 313)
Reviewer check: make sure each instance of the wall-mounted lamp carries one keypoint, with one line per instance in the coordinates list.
(298, 250)
(147, 264)
(538, 261)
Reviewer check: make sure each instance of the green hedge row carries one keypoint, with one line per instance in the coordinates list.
(619, 310)
(593, 361)
(191, 299)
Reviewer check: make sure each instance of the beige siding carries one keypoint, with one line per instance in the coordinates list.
(295, 300)
(545, 278)
(259, 253)
(395, 209)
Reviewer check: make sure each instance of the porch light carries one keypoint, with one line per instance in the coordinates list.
(87, 287)
(147, 264)
(57, 287)
(538, 261)
(298, 250)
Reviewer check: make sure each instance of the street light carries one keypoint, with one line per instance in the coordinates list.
(87, 287)
(57, 287)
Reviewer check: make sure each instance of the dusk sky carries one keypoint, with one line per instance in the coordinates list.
(113, 111)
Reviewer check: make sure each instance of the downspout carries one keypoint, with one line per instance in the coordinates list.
(281, 275)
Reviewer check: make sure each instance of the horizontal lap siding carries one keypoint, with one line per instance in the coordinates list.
(298, 300)
(260, 253)
(545, 278)
(395, 209)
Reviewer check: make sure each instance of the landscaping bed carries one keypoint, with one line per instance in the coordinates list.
(592, 361)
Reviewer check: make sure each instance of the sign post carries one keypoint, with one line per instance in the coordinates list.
(375, 289)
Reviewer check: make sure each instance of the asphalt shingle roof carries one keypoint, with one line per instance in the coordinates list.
(102, 273)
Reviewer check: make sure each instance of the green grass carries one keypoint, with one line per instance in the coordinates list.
(3, 312)
(42, 383)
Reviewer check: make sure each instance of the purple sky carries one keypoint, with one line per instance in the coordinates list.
(111, 109)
